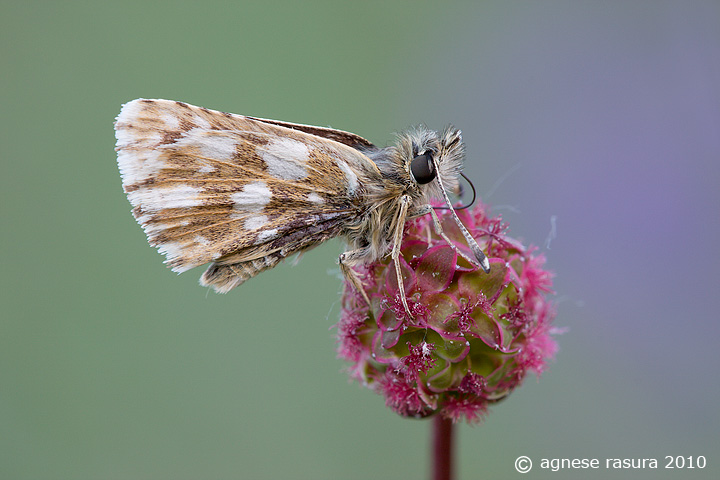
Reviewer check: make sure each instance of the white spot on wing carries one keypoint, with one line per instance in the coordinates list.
(129, 112)
(267, 235)
(352, 179)
(154, 199)
(209, 144)
(124, 137)
(201, 122)
(172, 122)
(255, 222)
(328, 216)
(136, 167)
(137, 160)
(154, 228)
(170, 249)
(173, 251)
(286, 158)
(315, 198)
(200, 240)
(132, 129)
(252, 198)
(219, 147)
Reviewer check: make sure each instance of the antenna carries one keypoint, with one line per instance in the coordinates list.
(471, 201)
(479, 255)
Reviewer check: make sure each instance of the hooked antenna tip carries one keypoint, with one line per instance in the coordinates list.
(481, 258)
(485, 264)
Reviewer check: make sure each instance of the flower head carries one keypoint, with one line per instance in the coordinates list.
(472, 336)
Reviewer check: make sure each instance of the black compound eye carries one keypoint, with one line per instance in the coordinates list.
(423, 169)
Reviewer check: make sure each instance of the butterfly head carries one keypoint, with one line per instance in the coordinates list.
(433, 160)
(434, 164)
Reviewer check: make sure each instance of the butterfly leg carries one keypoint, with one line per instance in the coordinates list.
(405, 200)
(349, 259)
(424, 210)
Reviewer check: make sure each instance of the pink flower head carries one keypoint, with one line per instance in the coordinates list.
(472, 336)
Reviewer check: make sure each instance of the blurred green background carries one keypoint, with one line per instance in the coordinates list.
(601, 115)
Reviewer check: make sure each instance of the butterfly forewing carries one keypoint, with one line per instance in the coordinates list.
(212, 186)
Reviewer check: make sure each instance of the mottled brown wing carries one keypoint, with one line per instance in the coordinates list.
(347, 138)
(212, 186)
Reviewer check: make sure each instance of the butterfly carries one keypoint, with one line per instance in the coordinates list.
(243, 193)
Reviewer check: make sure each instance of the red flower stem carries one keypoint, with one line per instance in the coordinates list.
(442, 448)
